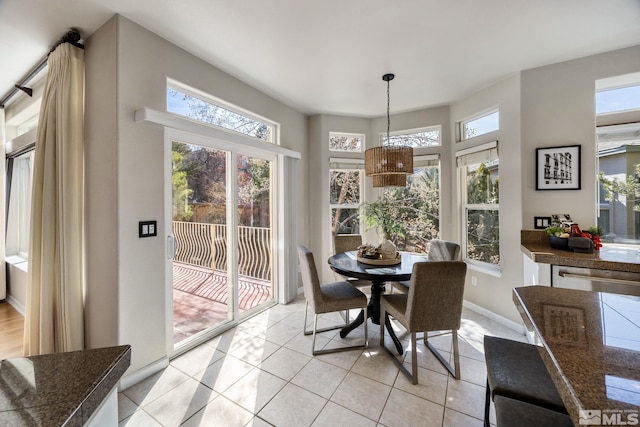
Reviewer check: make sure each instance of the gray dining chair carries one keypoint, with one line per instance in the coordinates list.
(328, 298)
(346, 243)
(439, 250)
(433, 303)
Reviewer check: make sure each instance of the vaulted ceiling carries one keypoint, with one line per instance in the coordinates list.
(329, 56)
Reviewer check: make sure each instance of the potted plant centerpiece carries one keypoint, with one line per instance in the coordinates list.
(382, 215)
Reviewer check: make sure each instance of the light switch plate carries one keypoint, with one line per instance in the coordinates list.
(147, 228)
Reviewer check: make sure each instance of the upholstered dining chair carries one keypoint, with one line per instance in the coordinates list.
(439, 250)
(328, 298)
(346, 243)
(433, 303)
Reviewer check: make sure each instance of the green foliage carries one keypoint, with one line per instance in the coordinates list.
(408, 216)
(595, 231)
(555, 230)
(383, 214)
(181, 209)
(483, 230)
(629, 187)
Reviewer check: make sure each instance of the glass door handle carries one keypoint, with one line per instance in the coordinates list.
(171, 247)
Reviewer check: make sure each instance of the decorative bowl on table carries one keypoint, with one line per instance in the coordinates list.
(384, 254)
(561, 243)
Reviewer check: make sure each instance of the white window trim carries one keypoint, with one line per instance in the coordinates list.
(460, 123)
(348, 134)
(438, 128)
(344, 164)
(176, 85)
(481, 266)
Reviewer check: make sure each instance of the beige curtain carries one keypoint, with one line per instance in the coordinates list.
(54, 309)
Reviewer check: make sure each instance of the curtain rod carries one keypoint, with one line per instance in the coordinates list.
(72, 36)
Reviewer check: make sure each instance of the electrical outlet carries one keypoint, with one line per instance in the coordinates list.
(474, 281)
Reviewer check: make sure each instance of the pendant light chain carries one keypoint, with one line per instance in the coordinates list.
(388, 114)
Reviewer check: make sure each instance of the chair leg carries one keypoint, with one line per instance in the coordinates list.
(383, 315)
(487, 404)
(332, 350)
(330, 328)
(456, 359)
(414, 359)
(413, 377)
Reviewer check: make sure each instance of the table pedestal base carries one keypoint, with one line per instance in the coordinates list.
(373, 309)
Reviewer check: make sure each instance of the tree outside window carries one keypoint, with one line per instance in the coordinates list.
(482, 212)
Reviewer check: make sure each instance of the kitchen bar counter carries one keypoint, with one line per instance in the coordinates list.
(62, 389)
(591, 347)
(535, 244)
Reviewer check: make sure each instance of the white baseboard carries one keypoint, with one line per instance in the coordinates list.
(145, 372)
(517, 327)
(16, 304)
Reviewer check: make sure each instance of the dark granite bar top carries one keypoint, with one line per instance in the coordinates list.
(535, 244)
(590, 345)
(61, 389)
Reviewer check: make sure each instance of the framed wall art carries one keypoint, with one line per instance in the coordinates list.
(558, 168)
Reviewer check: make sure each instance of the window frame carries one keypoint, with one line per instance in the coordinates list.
(423, 162)
(383, 135)
(348, 135)
(217, 102)
(615, 88)
(17, 148)
(460, 128)
(465, 207)
(342, 164)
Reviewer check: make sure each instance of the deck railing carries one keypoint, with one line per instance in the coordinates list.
(205, 245)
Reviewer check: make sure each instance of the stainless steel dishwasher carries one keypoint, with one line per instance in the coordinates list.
(589, 279)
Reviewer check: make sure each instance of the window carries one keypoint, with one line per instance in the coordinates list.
(346, 142)
(19, 176)
(345, 195)
(618, 150)
(618, 158)
(618, 99)
(186, 103)
(416, 138)
(417, 206)
(481, 125)
(479, 167)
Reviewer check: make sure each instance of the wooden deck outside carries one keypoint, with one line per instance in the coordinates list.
(200, 298)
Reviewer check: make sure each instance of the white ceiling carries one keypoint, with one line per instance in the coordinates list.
(328, 56)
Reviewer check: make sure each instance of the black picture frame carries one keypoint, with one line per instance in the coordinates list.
(541, 222)
(558, 168)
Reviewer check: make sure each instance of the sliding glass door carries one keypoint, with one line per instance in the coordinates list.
(221, 241)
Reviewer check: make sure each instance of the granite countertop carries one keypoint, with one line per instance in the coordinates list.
(61, 389)
(535, 244)
(590, 345)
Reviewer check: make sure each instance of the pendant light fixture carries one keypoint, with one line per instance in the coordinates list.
(390, 163)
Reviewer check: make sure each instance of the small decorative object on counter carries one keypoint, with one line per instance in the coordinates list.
(558, 237)
(573, 238)
(581, 244)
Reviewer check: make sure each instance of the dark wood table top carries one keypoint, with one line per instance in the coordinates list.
(590, 345)
(347, 264)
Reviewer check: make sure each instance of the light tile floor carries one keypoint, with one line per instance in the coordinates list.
(261, 373)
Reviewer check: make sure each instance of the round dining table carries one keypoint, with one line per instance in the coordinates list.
(347, 264)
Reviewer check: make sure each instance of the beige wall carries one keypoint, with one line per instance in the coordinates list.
(493, 292)
(558, 108)
(126, 289)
